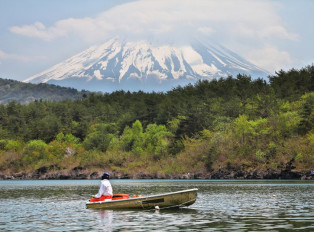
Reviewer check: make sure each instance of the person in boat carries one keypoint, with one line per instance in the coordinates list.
(105, 189)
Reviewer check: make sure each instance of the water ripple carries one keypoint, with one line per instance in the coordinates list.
(221, 206)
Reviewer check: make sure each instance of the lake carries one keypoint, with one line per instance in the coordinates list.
(59, 205)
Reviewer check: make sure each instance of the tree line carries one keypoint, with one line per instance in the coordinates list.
(229, 122)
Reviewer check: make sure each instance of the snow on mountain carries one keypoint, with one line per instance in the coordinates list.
(141, 65)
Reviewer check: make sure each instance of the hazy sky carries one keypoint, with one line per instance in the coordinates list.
(37, 34)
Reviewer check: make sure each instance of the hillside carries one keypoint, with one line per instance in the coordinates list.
(11, 90)
(226, 128)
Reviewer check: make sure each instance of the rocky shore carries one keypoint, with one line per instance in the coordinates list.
(80, 173)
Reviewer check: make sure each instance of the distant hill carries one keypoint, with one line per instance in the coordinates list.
(11, 90)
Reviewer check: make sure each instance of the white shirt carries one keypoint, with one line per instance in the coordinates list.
(105, 189)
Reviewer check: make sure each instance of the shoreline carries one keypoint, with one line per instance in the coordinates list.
(80, 173)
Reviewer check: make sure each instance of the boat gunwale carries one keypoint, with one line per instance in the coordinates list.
(143, 198)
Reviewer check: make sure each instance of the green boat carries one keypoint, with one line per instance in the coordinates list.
(160, 201)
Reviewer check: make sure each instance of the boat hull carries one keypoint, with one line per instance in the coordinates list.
(168, 200)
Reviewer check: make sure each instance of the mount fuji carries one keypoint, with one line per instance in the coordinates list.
(126, 65)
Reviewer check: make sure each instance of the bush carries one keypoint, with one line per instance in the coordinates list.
(34, 151)
(10, 145)
(100, 137)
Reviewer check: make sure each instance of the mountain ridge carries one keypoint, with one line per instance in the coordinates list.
(141, 65)
(12, 90)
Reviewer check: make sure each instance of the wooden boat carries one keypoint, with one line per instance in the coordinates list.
(167, 200)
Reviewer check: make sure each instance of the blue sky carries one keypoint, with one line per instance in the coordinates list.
(37, 34)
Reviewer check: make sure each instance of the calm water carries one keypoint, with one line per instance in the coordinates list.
(221, 206)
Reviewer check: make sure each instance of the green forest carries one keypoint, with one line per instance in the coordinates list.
(11, 90)
(230, 123)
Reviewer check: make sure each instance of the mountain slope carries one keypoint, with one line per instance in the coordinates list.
(143, 66)
(11, 90)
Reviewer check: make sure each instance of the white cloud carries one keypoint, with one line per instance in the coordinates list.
(277, 31)
(159, 17)
(37, 30)
(236, 24)
(206, 30)
(7, 56)
(270, 57)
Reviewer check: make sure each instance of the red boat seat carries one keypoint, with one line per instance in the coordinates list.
(114, 197)
(102, 198)
(120, 196)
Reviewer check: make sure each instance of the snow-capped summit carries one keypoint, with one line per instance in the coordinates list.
(141, 65)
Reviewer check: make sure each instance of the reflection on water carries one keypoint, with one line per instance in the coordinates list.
(221, 206)
(105, 219)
